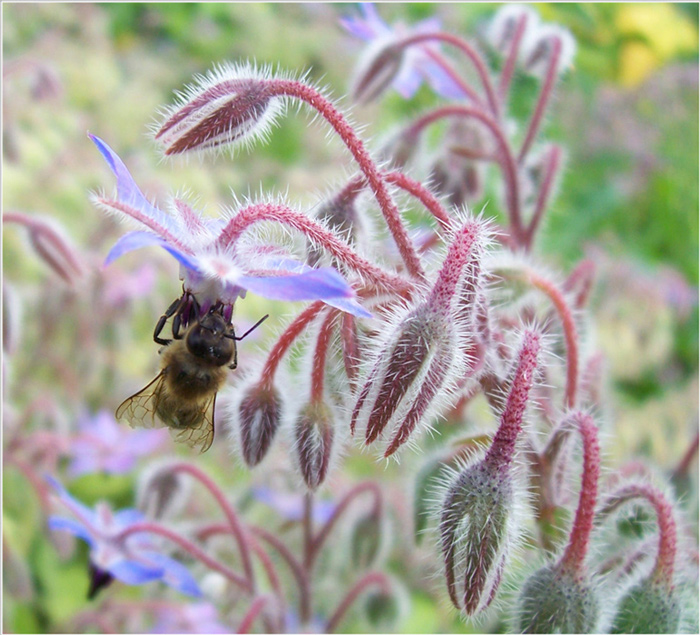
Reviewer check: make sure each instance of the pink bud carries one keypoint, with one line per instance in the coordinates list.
(259, 418)
(313, 441)
(229, 105)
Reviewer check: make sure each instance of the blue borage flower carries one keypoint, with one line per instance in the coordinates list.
(210, 272)
(131, 560)
(417, 65)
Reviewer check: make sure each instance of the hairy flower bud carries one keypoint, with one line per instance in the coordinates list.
(422, 357)
(648, 607)
(229, 105)
(259, 414)
(476, 532)
(553, 601)
(366, 540)
(162, 493)
(380, 67)
(313, 442)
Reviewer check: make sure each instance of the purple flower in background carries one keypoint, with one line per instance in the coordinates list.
(212, 270)
(102, 445)
(417, 64)
(131, 559)
(291, 506)
(198, 617)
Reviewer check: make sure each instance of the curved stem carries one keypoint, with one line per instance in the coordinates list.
(438, 58)
(419, 191)
(551, 168)
(367, 486)
(192, 549)
(543, 99)
(470, 52)
(231, 516)
(509, 66)
(369, 168)
(320, 354)
(506, 159)
(318, 234)
(570, 334)
(372, 578)
(665, 559)
(294, 565)
(255, 609)
(287, 338)
(575, 553)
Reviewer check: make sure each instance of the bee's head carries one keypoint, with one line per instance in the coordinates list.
(210, 339)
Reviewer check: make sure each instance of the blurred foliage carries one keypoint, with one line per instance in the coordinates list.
(627, 115)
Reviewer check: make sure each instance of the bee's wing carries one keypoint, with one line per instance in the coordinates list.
(202, 435)
(139, 410)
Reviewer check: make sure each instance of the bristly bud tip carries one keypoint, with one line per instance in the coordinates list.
(229, 105)
(313, 442)
(258, 415)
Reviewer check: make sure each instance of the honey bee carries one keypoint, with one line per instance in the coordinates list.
(193, 369)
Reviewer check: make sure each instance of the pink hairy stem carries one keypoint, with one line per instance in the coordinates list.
(575, 553)
(542, 101)
(369, 168)
(506, 158)
(372, 578)
(320, 355)
(470, 52)
(440, 59)
(419, 191)
(260, 212)
(251, 615)
(287, 339)
(509, 66)
(231, 516)
(551, 168)
(192, 549)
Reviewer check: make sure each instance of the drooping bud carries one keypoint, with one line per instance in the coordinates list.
(313, 442)
(259, 416)
(382, 609)
(421, 359)
(648, 607)
(553, 601)
(401, 148)
(504, 25)
(340, 214)
(162, 492)
(366, 540)
(229, 105)
(459, 172)
(380, 66)
(476, 533)
(548, 45)
(476, 522)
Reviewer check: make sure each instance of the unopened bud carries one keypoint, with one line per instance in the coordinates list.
(382, 609)
(409, 373)
(648, 607)
(552, 601)
(162, 493)
(366, 540)
(259, 415)
(377, 71)
(401, 148)
(476, 533)
(313, 440)
(504, 25)
(546, 45)
(229, 105)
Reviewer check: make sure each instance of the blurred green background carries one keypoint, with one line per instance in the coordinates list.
(627, 115)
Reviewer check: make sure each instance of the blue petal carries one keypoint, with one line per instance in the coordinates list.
(126, 517)
(57, 523)
(132, 572)
(128, 191)
(137, 239)
(349, 306)
(314, 284)
(176, 575)
(87, 514)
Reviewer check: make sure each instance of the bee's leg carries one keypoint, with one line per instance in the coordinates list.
(251, 329)
(174, 309)
(234, 362)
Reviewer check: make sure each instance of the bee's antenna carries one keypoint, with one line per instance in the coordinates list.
(250, 330)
